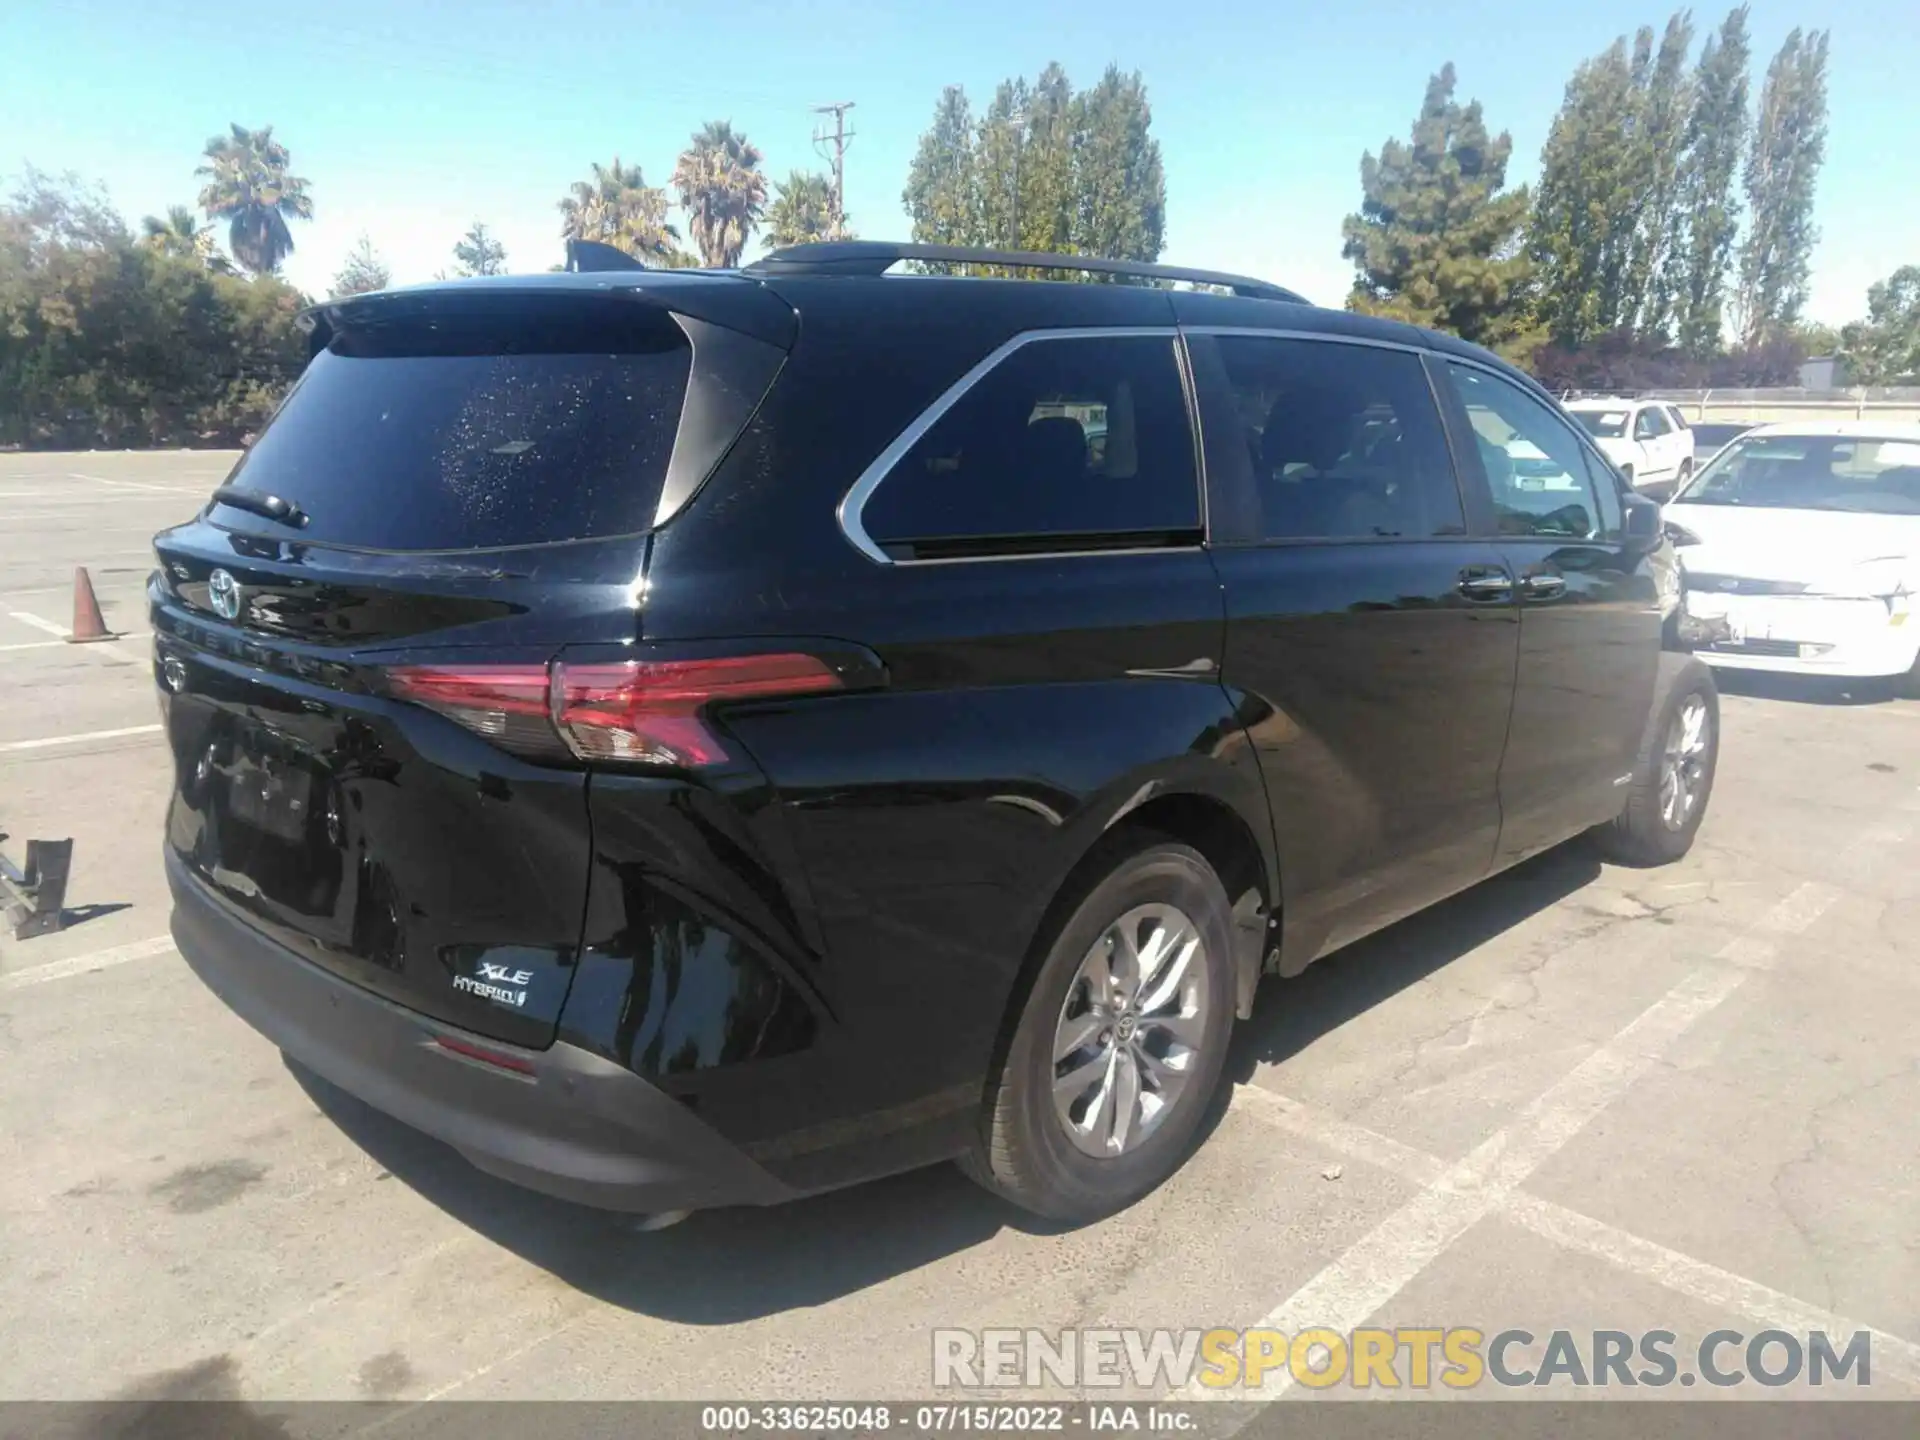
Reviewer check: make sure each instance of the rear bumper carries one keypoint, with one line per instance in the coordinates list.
(578, 1127)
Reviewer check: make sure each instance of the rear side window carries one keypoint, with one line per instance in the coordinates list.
(1652, 425)
(1069, 443)
(1344, 441)
(438, 431)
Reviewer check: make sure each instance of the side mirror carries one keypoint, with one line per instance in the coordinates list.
(1641, 531)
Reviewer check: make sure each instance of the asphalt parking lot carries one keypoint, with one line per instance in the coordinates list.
(1577, 1097)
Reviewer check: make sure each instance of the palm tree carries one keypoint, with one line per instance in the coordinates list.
(722, 191)
(803, 212)
(248, 186)
(617, 207)
(180, 235)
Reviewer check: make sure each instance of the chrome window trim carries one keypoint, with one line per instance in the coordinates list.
(855, 500)
(1263, 332)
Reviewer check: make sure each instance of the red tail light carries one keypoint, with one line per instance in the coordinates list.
(641, 711)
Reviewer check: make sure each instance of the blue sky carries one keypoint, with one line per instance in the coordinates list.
(414, 117)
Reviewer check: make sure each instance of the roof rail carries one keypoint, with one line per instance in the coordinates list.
(875, 257)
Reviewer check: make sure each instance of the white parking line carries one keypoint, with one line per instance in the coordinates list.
(1569, 1229)
(87, 964)
(61, 644)
(99, 647)
(47, 741)
(1384, 1261)
(134, 484)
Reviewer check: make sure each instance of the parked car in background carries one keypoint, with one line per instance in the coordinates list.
(1804, 538)
(1649, 440)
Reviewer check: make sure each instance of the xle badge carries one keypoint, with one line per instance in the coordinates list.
(496, 982)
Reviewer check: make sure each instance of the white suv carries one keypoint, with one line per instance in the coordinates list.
(1648, 439)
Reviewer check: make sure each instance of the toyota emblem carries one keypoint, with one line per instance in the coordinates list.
(223, 593)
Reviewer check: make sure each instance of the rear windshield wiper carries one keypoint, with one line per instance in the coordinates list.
(261, 503)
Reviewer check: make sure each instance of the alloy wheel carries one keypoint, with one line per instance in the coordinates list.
(1683, 762)
(1130, 1030)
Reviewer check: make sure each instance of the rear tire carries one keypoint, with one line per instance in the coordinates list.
(1686, 474)
(1673, 775)
(1089, 1048)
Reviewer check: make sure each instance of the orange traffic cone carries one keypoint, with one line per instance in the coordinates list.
(87, 623)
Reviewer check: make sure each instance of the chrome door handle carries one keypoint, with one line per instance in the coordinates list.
(1486, 585)
(1545, 587)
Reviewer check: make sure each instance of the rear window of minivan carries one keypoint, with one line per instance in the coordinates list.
(433, 427)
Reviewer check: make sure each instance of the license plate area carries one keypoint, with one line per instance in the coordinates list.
(272, 796)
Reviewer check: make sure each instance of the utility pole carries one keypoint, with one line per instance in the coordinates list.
(838, 158)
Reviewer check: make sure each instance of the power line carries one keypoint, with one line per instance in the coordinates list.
(838, 140)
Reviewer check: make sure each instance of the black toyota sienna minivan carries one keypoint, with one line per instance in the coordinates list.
(699, 738)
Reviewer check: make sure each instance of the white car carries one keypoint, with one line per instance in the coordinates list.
(1800, 547)
(1649, 440)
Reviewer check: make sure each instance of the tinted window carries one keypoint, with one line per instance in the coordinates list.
(1536, 467)
(462, 432)
(1064, 443)
(1652, 424)
(1344, 440)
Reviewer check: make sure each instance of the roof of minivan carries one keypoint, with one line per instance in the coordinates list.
(1051, 302)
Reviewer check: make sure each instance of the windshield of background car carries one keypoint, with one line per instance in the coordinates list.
(1813, 472)
(1602, 424)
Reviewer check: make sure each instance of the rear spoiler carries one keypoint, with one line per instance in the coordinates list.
(729, 300)
(583, 255)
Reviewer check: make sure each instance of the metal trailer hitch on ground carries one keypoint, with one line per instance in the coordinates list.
(34, 895)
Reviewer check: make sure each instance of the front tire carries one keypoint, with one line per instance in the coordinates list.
(1673, 776)
(1119, 1045)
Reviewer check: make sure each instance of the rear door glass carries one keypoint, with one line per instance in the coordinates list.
(1079, 442)
(523, 425)
(1344, 441)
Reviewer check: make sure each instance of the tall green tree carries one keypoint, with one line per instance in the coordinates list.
(363, 271)
(1664, 97)
(1789, 143)
(1119, 184)
(1716, 139)
(1884, 349)
(615, 206)
(1436, 241)
(941, 197)
(803, 212)
(180, 234)
(478, 253)
(1044, 168)
(1582, 232)
(108, 340)
(722, 190)
(250, 186)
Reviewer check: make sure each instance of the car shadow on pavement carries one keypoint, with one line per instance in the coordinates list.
(723, 1266)
(1805, 689)
(1289, 1015)
(716, 1267)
